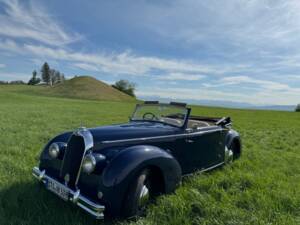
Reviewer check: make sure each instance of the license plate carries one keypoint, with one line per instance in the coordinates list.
(58, 189)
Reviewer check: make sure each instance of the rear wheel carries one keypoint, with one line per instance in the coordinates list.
(228, 155)
(232, 152)
(139, 195)
(236, 149)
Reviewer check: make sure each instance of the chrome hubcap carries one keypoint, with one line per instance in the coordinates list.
(228, 155)
(144, 197)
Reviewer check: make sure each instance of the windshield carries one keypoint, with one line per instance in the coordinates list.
(164, 113)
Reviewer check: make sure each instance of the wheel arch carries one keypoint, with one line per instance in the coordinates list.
(233, 139)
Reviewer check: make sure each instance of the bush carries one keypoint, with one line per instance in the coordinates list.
(3, 82)
(125, 86)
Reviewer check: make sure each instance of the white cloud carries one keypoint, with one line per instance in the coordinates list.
(10, 45)
(2, 65)
(248, 80)
(21, 20)
(264, 91)
(122, 63)
(181, 76)
(87, 67)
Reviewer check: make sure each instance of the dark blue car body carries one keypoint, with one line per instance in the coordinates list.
(169, 151)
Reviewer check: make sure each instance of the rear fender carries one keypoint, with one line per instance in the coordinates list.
(232, 136)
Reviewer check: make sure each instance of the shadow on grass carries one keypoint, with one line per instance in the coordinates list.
(30, 203)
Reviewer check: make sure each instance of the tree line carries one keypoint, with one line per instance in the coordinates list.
(47, 75)
(12, 82)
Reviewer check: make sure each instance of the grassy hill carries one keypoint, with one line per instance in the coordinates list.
(263, 187)
(83, 87)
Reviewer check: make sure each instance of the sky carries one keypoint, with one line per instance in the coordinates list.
(231, 50)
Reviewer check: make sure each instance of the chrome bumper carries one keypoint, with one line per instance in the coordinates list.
(92, 208)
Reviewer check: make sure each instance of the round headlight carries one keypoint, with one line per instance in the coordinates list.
(89, 163)
(54, 150)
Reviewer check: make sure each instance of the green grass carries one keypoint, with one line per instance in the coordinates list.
(263, 187)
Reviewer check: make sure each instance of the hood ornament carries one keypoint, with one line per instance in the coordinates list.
(79, 130)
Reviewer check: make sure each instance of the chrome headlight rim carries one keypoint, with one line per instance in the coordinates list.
(89, 163)
(54, 150)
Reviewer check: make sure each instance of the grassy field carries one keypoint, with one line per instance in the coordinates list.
(263, 187)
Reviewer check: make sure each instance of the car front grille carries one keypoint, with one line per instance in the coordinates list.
(72, 160)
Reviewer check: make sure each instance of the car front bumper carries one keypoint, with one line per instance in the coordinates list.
(90, 207)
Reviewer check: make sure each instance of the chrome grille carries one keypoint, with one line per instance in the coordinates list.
(77, 145)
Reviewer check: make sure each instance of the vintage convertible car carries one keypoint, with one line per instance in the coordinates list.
(117, 170)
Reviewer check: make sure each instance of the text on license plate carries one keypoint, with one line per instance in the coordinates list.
(58, 189)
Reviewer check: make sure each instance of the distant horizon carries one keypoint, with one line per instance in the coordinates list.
(203, 102)
(234, 51)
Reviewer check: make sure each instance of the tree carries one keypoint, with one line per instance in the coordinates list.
(62, 78)
(34, 79)
(58, 77)
(297, 108)
(52, 77)
(125, 86)
(46, 76)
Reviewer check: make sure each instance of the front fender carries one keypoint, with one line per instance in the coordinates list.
(123, 168)
(132, 159)
(64, 137)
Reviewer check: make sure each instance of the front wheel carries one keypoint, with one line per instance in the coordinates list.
(139, 195)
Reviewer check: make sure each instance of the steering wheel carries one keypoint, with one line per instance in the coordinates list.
(151, 114)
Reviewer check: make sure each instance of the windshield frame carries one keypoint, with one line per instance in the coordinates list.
(185, 119)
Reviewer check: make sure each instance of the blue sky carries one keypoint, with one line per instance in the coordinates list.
(233, 50)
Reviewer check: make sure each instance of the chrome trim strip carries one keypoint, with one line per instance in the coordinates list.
(212, 167)
(92, 208)
(204, 170)
(164, 136)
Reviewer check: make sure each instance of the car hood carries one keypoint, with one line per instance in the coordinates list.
(132, 130)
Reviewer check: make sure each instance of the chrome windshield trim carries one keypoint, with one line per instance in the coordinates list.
(87, 205)
(164, 136)
(154, 103)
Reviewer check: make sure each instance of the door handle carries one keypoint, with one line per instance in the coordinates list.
(189, 141)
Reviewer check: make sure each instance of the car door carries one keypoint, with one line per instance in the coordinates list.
(201, 150)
